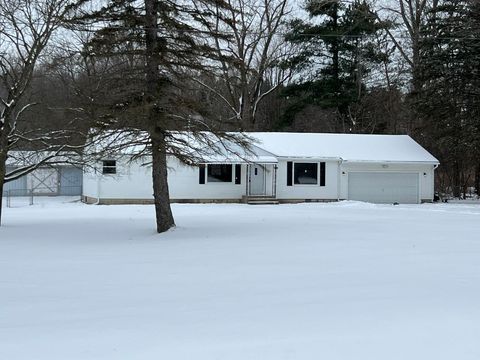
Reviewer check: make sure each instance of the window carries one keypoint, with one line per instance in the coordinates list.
(305, 173)
(219, 173)
(109, 167)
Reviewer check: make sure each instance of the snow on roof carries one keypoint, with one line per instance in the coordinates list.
(202, 146)
(271, 145)
(18, 158)
(348, 147)
(233, 153)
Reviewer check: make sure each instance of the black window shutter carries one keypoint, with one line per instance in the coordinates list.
(201, 174)
(289, 173)
(322, 174)
(238, 174)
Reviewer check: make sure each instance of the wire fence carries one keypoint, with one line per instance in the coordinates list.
(28, 197)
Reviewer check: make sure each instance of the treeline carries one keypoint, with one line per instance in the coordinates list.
(398, 67)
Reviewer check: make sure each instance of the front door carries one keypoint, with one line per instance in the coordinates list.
(257, 179)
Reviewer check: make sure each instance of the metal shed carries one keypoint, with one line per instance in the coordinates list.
(48, 181)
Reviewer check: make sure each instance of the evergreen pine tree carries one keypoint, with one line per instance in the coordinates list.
(154, 48)
(336, 54)
(448, 102)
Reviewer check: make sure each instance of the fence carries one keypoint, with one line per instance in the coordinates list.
(27, 197)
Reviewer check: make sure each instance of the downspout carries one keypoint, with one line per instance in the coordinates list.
(339, 174)
(99, 187)
(247, 182)
(433, 180)
(275, 168)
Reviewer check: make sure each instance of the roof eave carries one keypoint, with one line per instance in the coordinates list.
(426, 162)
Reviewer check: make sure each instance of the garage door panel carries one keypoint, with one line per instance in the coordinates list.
(383, 187)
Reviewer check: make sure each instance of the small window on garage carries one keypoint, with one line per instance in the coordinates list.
(109, 167)
(305, 173)
(219, 173)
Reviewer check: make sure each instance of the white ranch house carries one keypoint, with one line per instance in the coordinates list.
(284, 167)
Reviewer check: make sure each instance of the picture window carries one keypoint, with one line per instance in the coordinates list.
(219, 173)
(305, 173)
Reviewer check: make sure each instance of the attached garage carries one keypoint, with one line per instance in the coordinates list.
(384, 187)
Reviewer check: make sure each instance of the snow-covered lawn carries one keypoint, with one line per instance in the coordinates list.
(311, 281)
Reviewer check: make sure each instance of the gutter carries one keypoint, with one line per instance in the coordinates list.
(436, 163)
(294, 158)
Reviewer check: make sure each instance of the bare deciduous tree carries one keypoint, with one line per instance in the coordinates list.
(410, 15)
(249, 57)
(26, 27)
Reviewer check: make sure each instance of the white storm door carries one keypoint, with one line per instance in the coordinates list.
(257, 179)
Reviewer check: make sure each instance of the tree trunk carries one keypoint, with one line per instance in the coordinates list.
(456, 183)
(335, 52)
(153, 87)
(248, 122)
(477, 179)
(3, 160)
(163, 212)
(2, 175)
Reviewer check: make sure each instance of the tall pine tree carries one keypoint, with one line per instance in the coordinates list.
(335, 55)
(156, 47)
(448, 102)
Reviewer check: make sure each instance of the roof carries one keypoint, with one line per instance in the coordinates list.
(233, 153)
(19, 158)
(269, 146)
(202, 146)
(348, 147)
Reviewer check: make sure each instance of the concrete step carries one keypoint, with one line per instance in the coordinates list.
(259, 197)
(262, 202)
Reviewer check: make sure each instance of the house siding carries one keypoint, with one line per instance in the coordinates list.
(311, 192)
(133, 183)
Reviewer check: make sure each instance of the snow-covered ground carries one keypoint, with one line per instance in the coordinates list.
(310, 281)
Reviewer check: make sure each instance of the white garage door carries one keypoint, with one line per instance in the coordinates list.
(383, 187)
